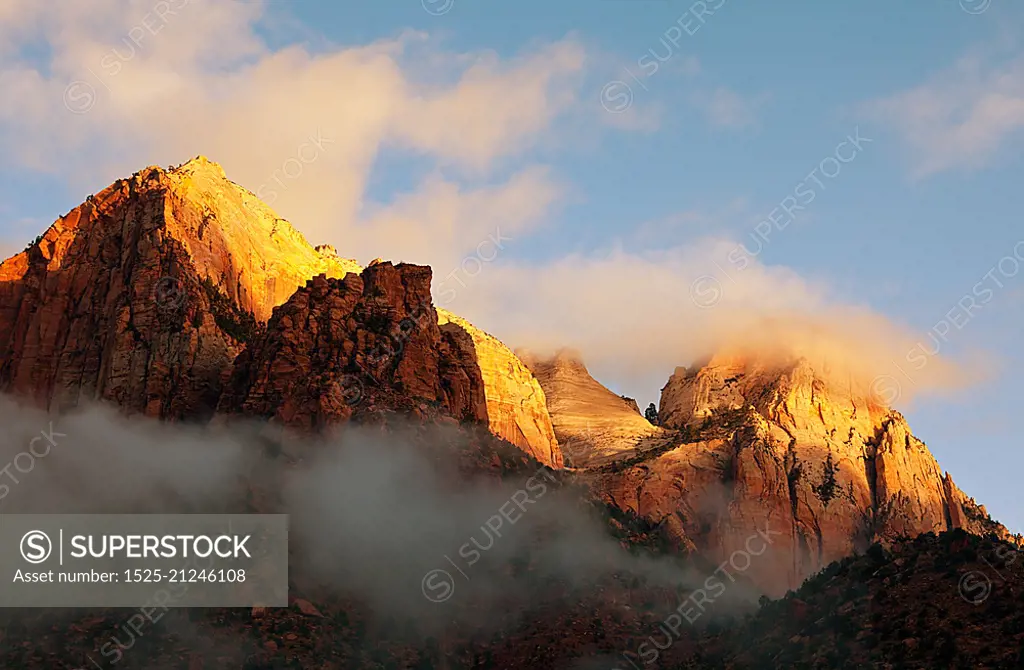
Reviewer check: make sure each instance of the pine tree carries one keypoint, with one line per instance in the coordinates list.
(652, 414)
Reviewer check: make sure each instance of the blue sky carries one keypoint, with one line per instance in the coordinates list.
(634, 204)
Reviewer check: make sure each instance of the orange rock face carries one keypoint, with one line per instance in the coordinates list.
(516, 403)
(176, 292)
(145, 294)
(374, 342)
(256, 257)
(111, 303)
(781, 447)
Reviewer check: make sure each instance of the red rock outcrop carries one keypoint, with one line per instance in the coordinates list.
(146, 293)
(370, 343)
(142, 294)
(340, 347)
(822, 465)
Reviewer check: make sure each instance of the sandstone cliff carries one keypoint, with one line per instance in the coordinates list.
(361, 344)
(593, 425)
(517, 408)
(144, 294)
(781, 447)
(370, 344)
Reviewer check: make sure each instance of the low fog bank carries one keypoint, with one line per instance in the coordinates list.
(381, 518)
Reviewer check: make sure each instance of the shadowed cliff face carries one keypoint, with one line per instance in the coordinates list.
(144, 295)
(360, 345)
(829, 468)
(370, 345)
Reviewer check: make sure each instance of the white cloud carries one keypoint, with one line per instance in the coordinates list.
(637, 316)
(961, 118)
(201, 81)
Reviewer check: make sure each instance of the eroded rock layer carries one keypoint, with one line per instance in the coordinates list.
(374, 342)
(144, 294)
(365, 343)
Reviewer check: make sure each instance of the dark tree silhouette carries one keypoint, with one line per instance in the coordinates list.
(652, 414)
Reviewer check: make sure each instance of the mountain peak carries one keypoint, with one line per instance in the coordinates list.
(256, 257)
(775, 385)
(565, 358)
(593, 424)
(788, 441)
(188, 263)
(200, 164)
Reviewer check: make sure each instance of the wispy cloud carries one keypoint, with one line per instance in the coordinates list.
(964, 117)
(726, 108)
(123, 87)
(181, 86)
(635, 315)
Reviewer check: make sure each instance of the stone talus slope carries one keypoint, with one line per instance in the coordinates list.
(782, 447)
(517, 408)
(592, 424)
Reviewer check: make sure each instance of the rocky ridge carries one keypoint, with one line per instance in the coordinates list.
(781, 446)
(373, 343)
(364, 343)
(163, 293)
(145, 294)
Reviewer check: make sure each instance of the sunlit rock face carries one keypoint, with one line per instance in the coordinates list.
(374, 343)
(593, 424)
(517, 408)
(176, 292)
(777, 445)
(144, 294)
